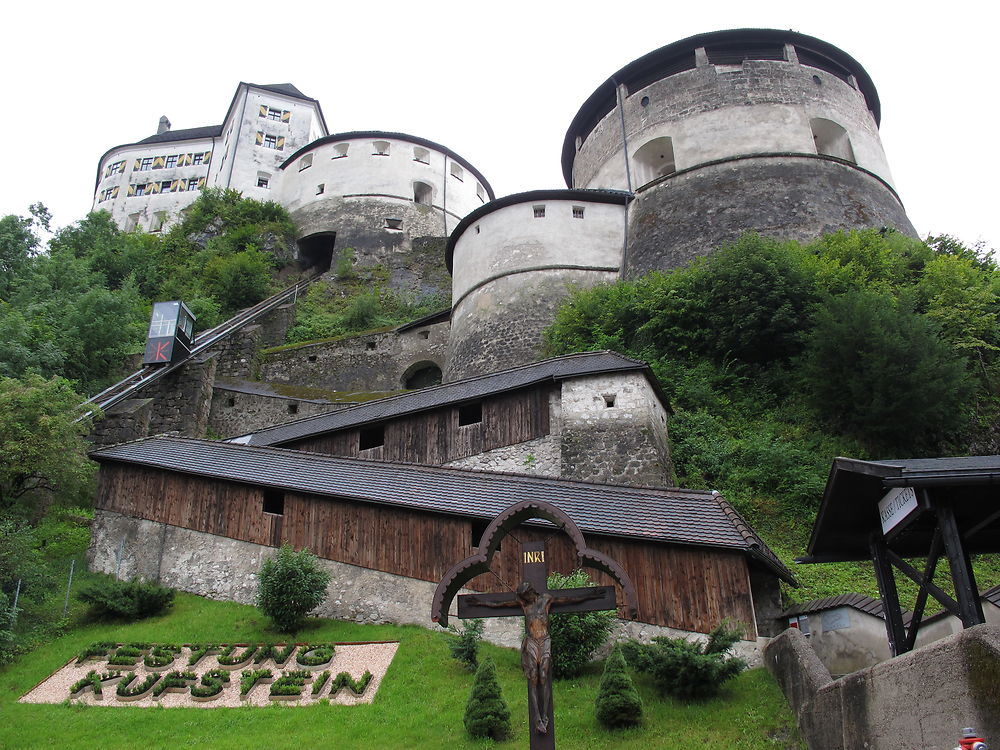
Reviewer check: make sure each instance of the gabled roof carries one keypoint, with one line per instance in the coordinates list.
(849, 510)
(688, 517)
(282, 88)
(470, 389)
(859, 602)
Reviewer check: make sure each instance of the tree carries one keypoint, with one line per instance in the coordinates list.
(486, 713)
(618, 703)
(465, 647)
(289, 586)
(575, 637)
(43, 454)
(18, 243)
(874, 369)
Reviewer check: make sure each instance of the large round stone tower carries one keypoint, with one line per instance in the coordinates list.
(678, 153)
(732, 131)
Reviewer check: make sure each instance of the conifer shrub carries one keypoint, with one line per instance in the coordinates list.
(618, 703)
(575, 637)
(486, 713)
(465, 647)
(127, 600)
(685, 669)
(289, 586)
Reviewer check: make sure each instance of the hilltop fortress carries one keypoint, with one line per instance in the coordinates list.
(677, 153)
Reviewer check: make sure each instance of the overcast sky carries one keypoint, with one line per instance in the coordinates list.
(496, 82)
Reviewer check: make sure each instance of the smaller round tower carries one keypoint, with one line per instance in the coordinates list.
(735, 131)
(512, 262)
(375, 192)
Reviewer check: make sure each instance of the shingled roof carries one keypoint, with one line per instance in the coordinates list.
(859, 602)
(688, 517)
(186, 134)
(470, 389)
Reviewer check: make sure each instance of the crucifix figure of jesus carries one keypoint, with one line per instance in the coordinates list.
(536, 602)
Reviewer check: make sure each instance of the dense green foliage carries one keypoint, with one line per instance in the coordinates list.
(128, 600)
(776, 357)
(42, 448)
(465, 647)
(486, 713)
(80, 304)
(289, 586)
(687, 669)
(357, 300)
(575, 637)
(618, 703)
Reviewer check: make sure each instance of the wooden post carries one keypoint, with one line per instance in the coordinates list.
(970, 607)
(890, 596)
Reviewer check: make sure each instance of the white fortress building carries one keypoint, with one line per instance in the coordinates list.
(677, 153)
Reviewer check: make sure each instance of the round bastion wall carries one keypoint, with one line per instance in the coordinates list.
(514, 261)
(376, 192)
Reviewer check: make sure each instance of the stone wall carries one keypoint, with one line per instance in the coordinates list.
(183, 398)
(126, 421)
(795, 198)
(225, 569)
(922, 699)
(237, 410)
(540, 457)
(614, 430)
(371, 362)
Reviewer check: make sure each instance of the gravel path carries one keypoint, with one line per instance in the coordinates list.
(353, 658)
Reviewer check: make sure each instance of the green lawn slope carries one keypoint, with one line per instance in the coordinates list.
(419, 705)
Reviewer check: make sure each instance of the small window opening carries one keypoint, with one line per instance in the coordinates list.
(370, 346)
(609, 400)
(831, 139)
(321, 188)
(457, 172)
(654, 159)
(393, 223)
(340, 150)
(539, 212)
(422, 193)
(371, 437)
(817, 80)
(481, 193)
(230, 401)
(274, 501)
(293, 408)
(263, 180)
(644, 101)
(312, 357)
(425, 334)
(478, 529)
(306, 162)
(421, 154)
(477, 229)
(380, 148)
(577, 212)
(470, 414)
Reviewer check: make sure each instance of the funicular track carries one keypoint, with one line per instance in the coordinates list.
(129, 386)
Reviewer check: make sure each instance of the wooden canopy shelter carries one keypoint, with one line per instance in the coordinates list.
(894, 510)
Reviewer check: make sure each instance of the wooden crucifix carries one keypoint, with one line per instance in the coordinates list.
(534, 601)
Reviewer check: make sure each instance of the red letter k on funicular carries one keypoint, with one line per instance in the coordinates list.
(160, 354)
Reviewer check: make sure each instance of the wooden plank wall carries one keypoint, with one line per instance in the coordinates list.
(689, 588)
(436, 438)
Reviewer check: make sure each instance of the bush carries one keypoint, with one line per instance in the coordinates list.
(486, 713)
(575, 637)
(465, 647)
(618, 703)
(289, 586)
(687, 669)
(129, 600)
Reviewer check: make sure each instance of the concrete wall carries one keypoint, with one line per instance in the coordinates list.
(225, 569)
(511, 270)
(847, 640)
(371, 362)
(236, 412)
(922, 699)
(799, 198)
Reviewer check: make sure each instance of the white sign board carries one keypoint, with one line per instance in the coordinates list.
(898, 505)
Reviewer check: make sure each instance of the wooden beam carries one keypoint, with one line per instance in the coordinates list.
(894, 628)
(918, 608)
(961, 567)
(934, 590)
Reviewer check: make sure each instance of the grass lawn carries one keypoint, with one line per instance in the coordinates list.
(419, 705)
